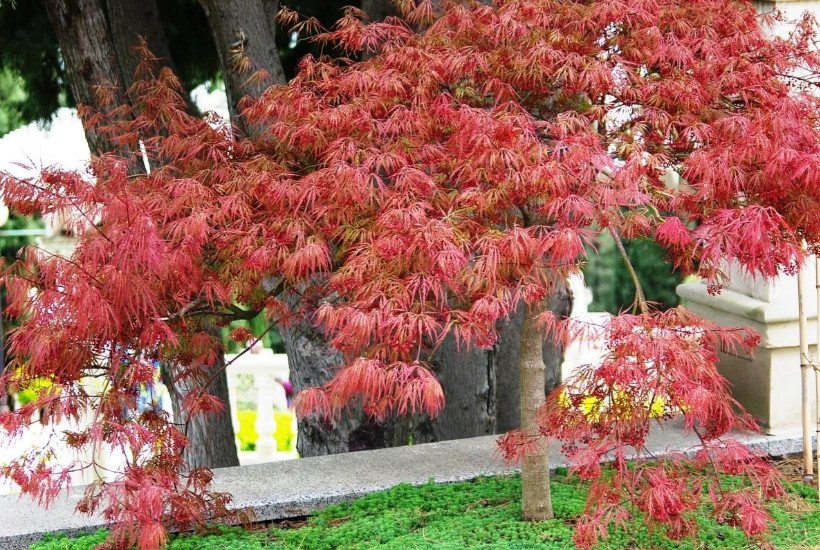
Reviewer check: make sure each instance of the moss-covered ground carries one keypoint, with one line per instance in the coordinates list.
(478, 514)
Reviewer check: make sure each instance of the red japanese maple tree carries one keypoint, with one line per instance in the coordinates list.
(454, 172)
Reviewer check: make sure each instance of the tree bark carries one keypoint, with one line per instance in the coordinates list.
(536, 503)
(313, 363)
(94, 55)
(130, 21)
(507, 358)
(89, 54)
(469, 378)
(246, 26)
(211, 438)
(377, 10)
(311, 359)
(480, 387)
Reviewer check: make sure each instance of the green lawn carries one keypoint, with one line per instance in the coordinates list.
(479, 514)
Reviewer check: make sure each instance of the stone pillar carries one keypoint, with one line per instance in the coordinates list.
(766, 383)
(583, 352)
(265, 424)
(233, 392)
(265, 368)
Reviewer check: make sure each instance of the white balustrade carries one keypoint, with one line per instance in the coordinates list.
(587, 351)
(264, 367)
(766, 382)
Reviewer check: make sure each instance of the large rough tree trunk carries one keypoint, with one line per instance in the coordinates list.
(313, 362)
(245, 28)
(95, 56)
(536, 503)
(211, 437)
(89, 54)
(212, 441)
(469, 378)
(249, 25)
(131, 21)
(480, 386)
(377, 10)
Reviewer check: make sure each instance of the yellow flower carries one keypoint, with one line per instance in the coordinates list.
(563, 399)
(657, 407)
(591, 407)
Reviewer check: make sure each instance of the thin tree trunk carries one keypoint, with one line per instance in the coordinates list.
(536, 502)
(507, 359)
(817, 365)
(805, 373)
(5, 398)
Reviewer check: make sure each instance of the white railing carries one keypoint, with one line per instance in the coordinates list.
(587, 351)
(254, 379)
(251, 382)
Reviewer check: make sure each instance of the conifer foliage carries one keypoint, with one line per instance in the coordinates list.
(430, 186)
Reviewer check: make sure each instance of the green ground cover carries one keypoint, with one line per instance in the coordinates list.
(478, 514)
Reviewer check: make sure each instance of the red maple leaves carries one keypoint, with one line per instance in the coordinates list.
(430, 188)
(659, 366)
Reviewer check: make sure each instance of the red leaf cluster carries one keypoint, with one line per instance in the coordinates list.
(429, 189)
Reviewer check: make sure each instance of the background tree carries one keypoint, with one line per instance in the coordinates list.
(95, 58)
(611, 284)
(484, 399)
(30, 52)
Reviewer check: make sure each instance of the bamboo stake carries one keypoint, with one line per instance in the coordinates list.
(805, 366)
(817, 364)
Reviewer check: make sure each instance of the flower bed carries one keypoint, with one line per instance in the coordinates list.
(284, 434)
(482, 513)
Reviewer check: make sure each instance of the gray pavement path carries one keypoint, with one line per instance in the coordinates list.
(298, 487)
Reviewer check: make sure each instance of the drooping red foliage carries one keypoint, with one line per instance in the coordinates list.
(456, 171)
